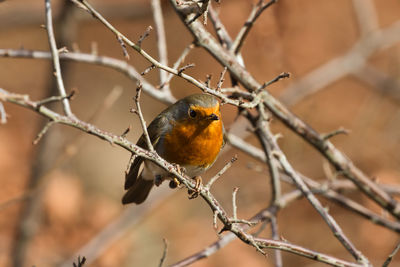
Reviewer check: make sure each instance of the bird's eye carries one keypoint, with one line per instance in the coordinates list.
(192, 113)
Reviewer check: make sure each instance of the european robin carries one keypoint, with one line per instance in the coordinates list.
(188, 133)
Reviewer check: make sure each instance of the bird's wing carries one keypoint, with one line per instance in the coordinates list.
(224, 137)
(156, 129)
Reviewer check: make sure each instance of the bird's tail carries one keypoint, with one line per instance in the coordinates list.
(138, 192)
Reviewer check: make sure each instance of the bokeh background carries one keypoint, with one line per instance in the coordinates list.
(79, 178)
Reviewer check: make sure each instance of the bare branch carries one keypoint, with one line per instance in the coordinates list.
(339, 67)
(234, 207)
(123, 46)
(275, 236)
(334, 133)
(43, 132)
(164, 255)
(142, 121)
(81, 262)
(366, 15)
(178, 62)
(147, 70)
(244, 31)
(56, 60)
(219, 174)
(161, 40)
(264, 133)
(295, 249)
(182, 69)
(116, 64)
(281, 76)
(221, 80)
(3, 114)
(157, 64)
(391, 255)
(143, 36)
(337, 158)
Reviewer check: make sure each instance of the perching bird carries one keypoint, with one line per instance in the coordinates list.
(188, 133)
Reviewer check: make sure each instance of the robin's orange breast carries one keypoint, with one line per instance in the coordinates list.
(192, 143)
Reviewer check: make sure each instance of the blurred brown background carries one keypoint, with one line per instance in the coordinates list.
(83, 180)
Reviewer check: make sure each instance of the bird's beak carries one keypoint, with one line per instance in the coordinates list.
(213, 117)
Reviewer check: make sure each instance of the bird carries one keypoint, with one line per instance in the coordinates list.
(189, 133)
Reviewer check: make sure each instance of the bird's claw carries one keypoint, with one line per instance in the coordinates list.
(195, 192)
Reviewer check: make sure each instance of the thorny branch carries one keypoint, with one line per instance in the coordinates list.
(255, 98)
(327, 149)
(228, 223)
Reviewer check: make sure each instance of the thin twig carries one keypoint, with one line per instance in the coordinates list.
(113, 63)
(24, 101)
(288, 247)
(123, 46)
(334, 133)
(244, 31)
(142, 121)
(143, 36)
(366, 15)
(234, 206)
(264, 133)
(43, 132)
(157, 64)
(56, 60)
(131, 160)
(127, 130)
(337, 158)
(178, 62)
(187, 66)
(281, 76)
(352, 61)
(221, 80)
(161, 40)
(81, 262)
(3, 114)
(220, 29)
(391, 255)
(275, 236)
(164, 255)
(215, 216)
(52, 99)
(219, 174)
(262, 216)
(147, 70)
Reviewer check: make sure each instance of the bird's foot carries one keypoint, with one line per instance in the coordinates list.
(181, 170)
(195, 192)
